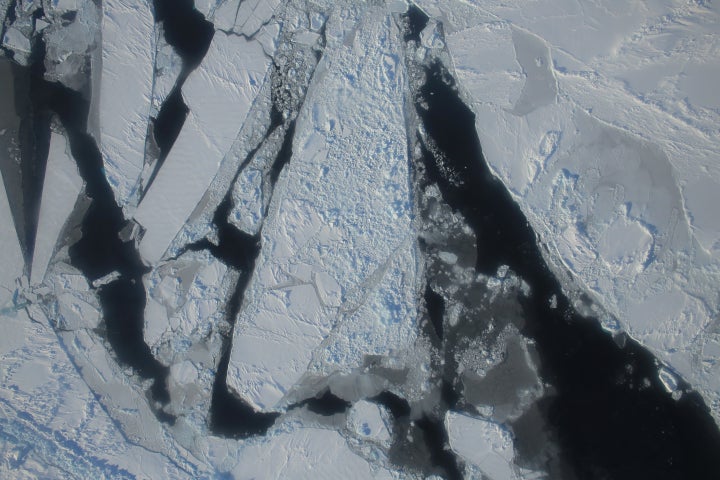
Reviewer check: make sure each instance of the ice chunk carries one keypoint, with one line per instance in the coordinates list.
(60, 192)
(16, 41)
(369, 421)
(485, 444)
(186, 304)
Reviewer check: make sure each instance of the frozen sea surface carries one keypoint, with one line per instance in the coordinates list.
(391, 239)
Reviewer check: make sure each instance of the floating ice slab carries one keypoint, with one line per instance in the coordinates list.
(60, 192)
(339, 215)
(125, 92)
(185, 303)
(369, 421)
(219, 94)
(485, 444)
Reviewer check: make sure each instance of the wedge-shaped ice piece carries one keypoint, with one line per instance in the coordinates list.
(60, 191)
(219, 94)
(11, 257)
(340, 211)
(127, 82)
(482, 443)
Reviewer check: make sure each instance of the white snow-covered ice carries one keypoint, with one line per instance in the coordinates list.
(484, 444)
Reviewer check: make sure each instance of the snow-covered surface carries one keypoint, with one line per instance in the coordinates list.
(245, 17)
(331, 213)
(51, 423)
(219, 94)
(125, 92)
(599, 121)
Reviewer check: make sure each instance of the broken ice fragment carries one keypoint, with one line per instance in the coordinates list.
(17, 42)
(668, 379)
(482, 443)
(71, 44)
(369, 421)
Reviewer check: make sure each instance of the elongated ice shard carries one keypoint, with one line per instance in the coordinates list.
(126, 90)
(60, 192)
(11, 257)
